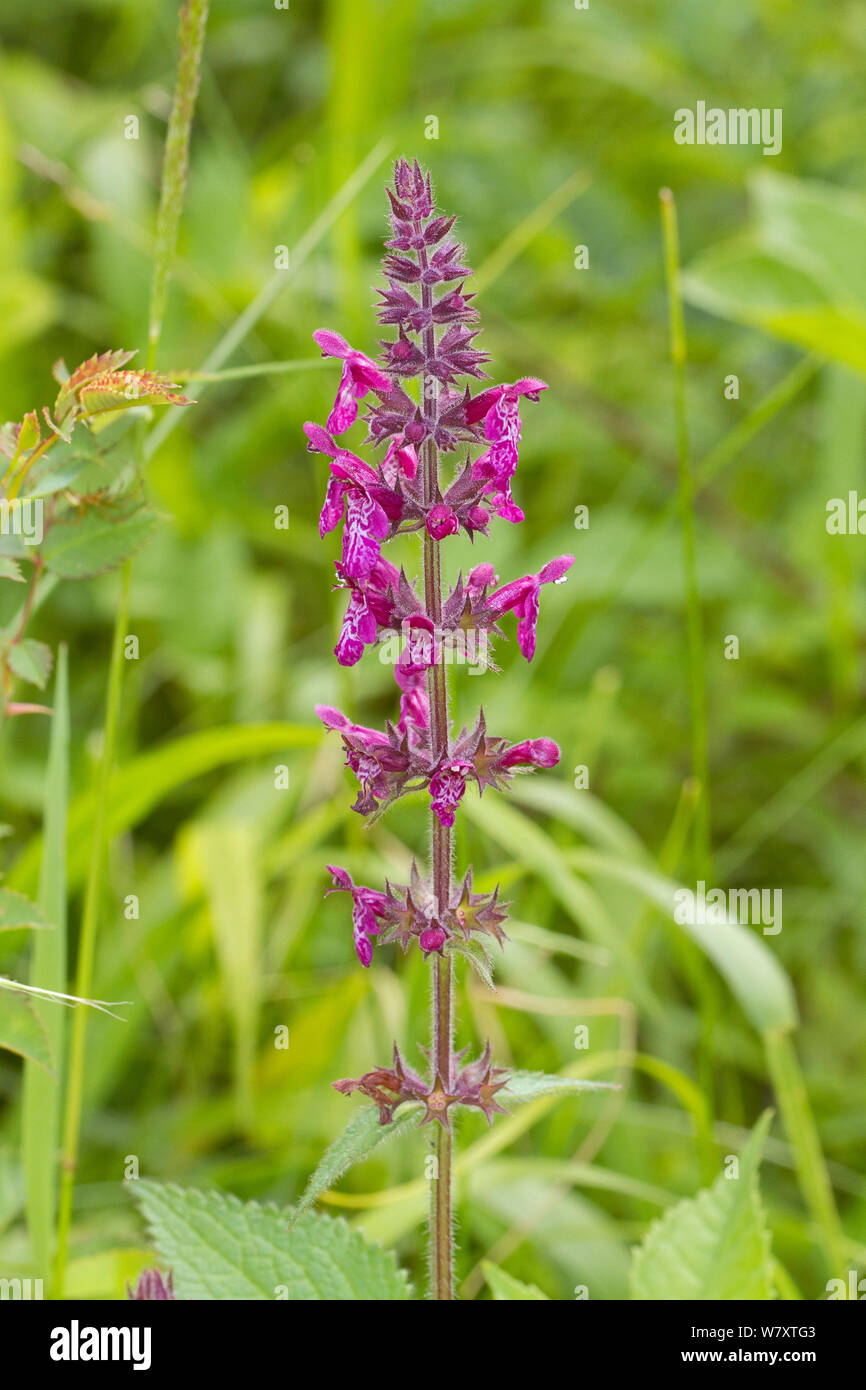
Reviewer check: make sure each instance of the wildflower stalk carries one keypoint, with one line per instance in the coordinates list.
(405, 493)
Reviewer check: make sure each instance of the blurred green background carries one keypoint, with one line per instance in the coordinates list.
(554, 131)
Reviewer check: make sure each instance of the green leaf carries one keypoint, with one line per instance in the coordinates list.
(362, 1135)
(80, 461)
(799, 275)
(17, 911)
(752, 971)
(96, 542)
(41, 1098)
(22, 1031)
(474, 952)
(506, 1289)
(10, 569)
(221, 1248)
(142, 783)
(228, 859)
(529, 1085)
(31, 661)
(715, 1246)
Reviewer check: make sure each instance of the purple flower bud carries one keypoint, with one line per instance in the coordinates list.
(433, 939)
(441, 521)
(152, 1287)
(522, 595)
(532, 752)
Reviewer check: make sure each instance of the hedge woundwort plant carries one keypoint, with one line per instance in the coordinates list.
(405, 492)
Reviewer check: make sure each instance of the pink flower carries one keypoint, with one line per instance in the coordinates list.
(360, 375)
(441, 521)
(532, 752)
(369, 609)
(355, 492)
(378, 760)
(479, 579)
(368, 906)
(400, 461)
(523, 596)
(447, 787)
(410, 674)
(499, 408)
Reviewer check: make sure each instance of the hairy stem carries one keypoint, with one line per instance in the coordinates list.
(441, 1235)
(441, 1243)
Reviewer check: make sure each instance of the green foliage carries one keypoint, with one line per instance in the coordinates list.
(16, 911)
(799, 275)
(715, 1246)
(235, 618)
(506, 1289)
(22, 1030)
(219, 1247)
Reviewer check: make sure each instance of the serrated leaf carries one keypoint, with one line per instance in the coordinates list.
(506, 1289)
(16, 911)
(478, 958)
(529, 1085)
(362, 1135)
(218, 1247)
(96, 542)
(123, 390)
(10, 569)
(22, 1031)
(715, 1246)
(31, 661)
(72, 382)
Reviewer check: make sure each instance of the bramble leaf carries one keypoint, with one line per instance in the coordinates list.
(98, 541)
(10, 569)
(31, 661)
(22, 1031)
(218, 1247)
(17, 911)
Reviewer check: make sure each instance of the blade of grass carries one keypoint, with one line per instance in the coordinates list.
(40, 1119)
(694, 615)
(706, 992)
(87, 946)
(191, 28)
